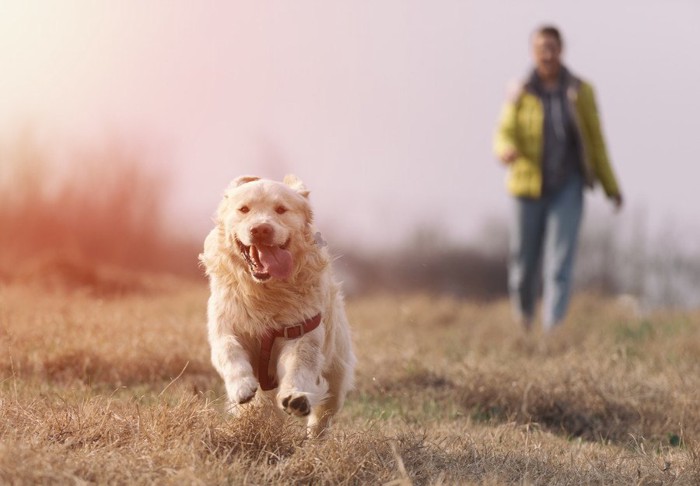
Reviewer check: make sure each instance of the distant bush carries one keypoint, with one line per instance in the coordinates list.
(622, 256)
(103, 206)
(615, 257)
(426, 264)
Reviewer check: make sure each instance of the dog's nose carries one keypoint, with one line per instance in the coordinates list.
(261, 233)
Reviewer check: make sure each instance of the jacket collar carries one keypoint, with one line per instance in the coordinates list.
(567, 82)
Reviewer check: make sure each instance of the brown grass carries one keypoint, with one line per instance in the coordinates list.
(120, 390)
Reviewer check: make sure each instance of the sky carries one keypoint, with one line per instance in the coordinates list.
(385, 109)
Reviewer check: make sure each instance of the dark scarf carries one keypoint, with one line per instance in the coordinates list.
(560, 153)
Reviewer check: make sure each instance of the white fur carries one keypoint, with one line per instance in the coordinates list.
(316, 369)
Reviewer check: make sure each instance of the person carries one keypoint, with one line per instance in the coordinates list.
(550, 138)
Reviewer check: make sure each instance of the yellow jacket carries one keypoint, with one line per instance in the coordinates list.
(521, 128)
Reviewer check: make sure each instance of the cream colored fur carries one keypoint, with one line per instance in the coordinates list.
(315, 371)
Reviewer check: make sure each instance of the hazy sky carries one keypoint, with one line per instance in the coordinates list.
(385, 108)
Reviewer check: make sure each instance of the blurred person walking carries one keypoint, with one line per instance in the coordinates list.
(549, 136)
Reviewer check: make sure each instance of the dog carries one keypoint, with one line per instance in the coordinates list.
(276, 316)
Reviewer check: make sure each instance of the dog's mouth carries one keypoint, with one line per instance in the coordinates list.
(267, 261)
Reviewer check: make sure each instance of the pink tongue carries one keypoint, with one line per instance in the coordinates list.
(277, 262)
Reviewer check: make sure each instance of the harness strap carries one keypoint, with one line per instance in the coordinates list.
(296, 331)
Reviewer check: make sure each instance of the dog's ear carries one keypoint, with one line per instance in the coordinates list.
(239, 181)
(295, 183)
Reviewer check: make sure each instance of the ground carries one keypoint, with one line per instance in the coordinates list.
(113, 384)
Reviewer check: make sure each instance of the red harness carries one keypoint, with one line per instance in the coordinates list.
(268, 382)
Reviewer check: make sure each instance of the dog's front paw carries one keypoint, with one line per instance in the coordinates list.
(296, 404)
(242, 390)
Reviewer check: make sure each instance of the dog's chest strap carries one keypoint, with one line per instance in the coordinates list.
(296, 331)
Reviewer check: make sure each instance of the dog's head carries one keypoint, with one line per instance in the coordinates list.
(264, 223)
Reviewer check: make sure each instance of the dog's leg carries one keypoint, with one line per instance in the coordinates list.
(229, 354)
(233, 364)
(322, 414)
(299, 370)
(339, 378)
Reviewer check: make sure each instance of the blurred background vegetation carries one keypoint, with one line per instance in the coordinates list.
(106, 207)
(102, 207)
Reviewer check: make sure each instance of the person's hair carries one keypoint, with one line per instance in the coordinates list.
(551, 31)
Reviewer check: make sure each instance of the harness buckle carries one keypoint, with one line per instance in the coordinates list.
(301, 331)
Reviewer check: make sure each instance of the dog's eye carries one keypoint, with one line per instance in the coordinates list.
(281, 210)
(244, 209)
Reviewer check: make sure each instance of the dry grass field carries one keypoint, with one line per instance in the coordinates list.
(105, 375)
(109, 382)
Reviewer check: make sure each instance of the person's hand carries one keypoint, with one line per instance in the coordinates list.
(617, 201)
(509, 155)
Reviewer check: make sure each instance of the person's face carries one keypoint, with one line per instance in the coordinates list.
(546, 53)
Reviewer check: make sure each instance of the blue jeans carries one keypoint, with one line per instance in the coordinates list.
(544, 233)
